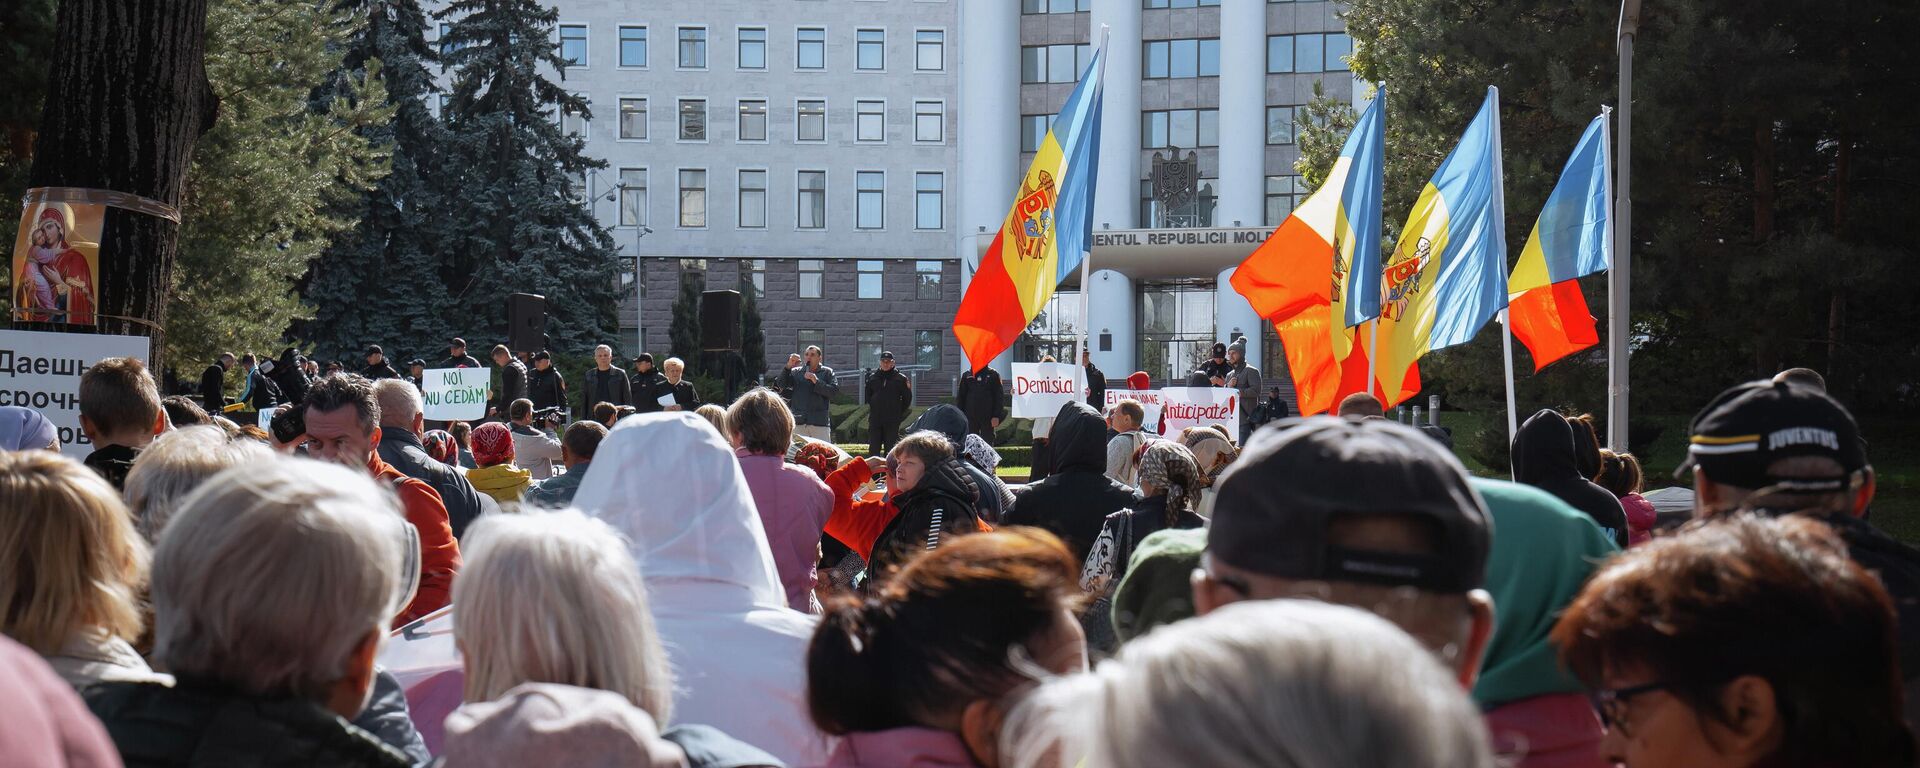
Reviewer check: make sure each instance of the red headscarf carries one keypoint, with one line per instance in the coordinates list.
(492, 444)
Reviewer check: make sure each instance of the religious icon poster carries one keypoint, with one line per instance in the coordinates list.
(56, 262)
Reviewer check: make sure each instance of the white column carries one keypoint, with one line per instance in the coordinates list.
(1243, 115)
(989, 126)
(1234, 316)
(1110, 308)
(1117, 200)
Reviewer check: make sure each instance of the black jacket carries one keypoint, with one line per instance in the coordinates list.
(888, 396)
(1076, 499)
(683, 394)
(1898, 566)
(547, 389)
(609, 387)
(1209, 369)
(404, 451)
(113, 462)
(463, 361)
(1543, 458)
(1096, 387)
(289, 378)
(513, 385)
(382, 371)
(647, 389)
(262, 393)
(940, 507)
(191, 724)
(982, 398)
(947, 420)
(213, 386)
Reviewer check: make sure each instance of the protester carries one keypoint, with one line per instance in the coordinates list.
(1215, 369)
(462, 434)
(983, 399)
(1042, 458)
(1586, 445)
(1367, 513)
(1158, 586)
(377, 366)
(213, 383)
(930, 500)
(783, 381)
(1745, 642)
(513, 381)
(260, 394)
(716, 416)
(120, 414)
(648, 385)
(539, 723)
(669, 484)
(534, 448)
(912, 675)
(1545, 456)
(439, 445)
(182, 411)
(71, 569)
(1620, 475)
(25, 429)
(606, 414)
(1170, 482)
(1246, 379)
(1360, 405)
(457, 356)
(1268, 684)
(1076, 499)
(402, 425)
(176, 465)
(289, 376)
(1123, 450)
(604, 383)
(995, 497)
(813, 389)
(1213, 453)
(577, 446)
(46, 722)
(978, 453)
(343, 418)
(793, 503)
(270, 664)
(495, 473)
(417, 373)
(1096, 381)
(889, 397)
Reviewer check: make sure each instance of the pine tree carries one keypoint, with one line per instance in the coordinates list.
(380, 282)
(516, 220)
(683, 333)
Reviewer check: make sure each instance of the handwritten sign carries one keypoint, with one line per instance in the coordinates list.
(1149, 400)
(1041, 389)
(1199, 407)
(455, 394)
(42, 370)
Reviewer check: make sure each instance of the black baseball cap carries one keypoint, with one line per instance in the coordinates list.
(644, 357)
(1277, 504)
(542, 355)
(416, 361)
(886, 355)
(1743, 431)
(372, 349)
(457, 343)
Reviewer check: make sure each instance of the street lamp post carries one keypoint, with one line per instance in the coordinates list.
(639, 291)
(1620, 273)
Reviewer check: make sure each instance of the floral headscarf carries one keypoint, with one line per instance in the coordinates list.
(492, 444)
(1169, 465)
(1211, 452)
(982, 454)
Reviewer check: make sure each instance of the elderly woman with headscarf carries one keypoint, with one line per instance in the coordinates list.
(1214, 453)
(496, 475)
(24, 429)
(670, 485)
(1170, 481)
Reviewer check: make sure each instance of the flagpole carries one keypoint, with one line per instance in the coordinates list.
(1513, 408)
(1373, 334)
(1083, 344)
(1620, 265)
(1500, 222)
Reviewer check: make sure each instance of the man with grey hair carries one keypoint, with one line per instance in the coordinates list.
(272, 591)
(813, 391)
(176, 464)
(604, 383)
(401, 427)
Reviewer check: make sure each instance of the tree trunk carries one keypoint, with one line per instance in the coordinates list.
(1837, 301)
(1765, 343)
(127, 97)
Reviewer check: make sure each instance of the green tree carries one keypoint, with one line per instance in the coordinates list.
(753, 336)
(683, 333)
(26, 49)
(517, 221)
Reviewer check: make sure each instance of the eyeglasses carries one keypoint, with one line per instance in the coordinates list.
(1612, 704)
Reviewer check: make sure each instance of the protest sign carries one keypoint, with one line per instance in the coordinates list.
(1040, 389)
(1149, 401)
(1199, 407)
(41, 371)
(455, 394)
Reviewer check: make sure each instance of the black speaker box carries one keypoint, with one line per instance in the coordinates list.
(720, 321)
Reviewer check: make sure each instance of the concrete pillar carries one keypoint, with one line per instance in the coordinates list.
(989, 129)
(1110, 310)
(1117, 200)
(1243, 114)
(1234, 316)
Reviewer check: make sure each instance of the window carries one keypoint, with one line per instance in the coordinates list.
(573, 123)
(813, 280)
(1180, 58)
(930, 50)
(1339, 47)
(693, 197)
(1283, 193)
(693, 119)
(812, 204)
(811, 48)
(756, 282)
(752, 51)
(1183, 128)
(447, 47)
(1282, 122)
(929, 121)
(1308, 53)
(871, 275)
(810, 122)
(633, 46)
(573, 44)
(870, 209)
(1196, 212)
(693, 47)
(1150, 4)
(633, 118)
(926, 348)
(929, 199)
(1177, 323)
(1033, 131)
(753, 199)
(926, 276)
(1279, 54)
(1060, 67)
(1054, 63)
(811, 337)
(870, 121)
(633, 197)
(1055, 6)
(753, 120)
(869, 343)
(870, 49)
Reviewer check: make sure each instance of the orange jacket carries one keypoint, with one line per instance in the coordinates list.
(439, 551)
(858, 523)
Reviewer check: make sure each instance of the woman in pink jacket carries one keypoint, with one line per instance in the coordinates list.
(1620, 474)
(793, 503)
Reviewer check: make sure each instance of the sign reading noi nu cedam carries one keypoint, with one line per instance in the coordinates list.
(455, 394)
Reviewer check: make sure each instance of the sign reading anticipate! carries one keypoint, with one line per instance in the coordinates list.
(42, 371)
(455, 394)
(1184, 407)
(1041, 389)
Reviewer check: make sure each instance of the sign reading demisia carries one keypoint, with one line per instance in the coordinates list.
(41, 371)
(1041, 389)
(1149, 400)
(455, 394)
(1184, 407)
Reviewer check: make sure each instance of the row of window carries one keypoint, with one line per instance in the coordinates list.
(869, 284)
(751, 120)
(810, 199)
(869, 344)
(750, 47)
(1031, 7)
(1316, 52)
(1189, 57)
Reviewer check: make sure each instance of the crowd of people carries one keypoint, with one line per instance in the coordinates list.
(685, 584)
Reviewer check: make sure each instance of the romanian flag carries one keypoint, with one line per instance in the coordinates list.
(1319, 274)
(1447, 275)
(1044, 237)
(1572, 239)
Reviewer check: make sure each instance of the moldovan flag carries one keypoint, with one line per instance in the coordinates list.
(1045, 235)
(1572, 239)
(1319, 274)
(1446, 277)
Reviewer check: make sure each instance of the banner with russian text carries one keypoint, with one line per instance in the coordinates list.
(41, 370)
(1040, 389)
(1184, 407)
(455, 394)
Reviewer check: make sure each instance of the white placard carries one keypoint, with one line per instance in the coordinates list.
(1149, 401)
(1200, 407)
(41, 370)
(1041, 389)
(455, 394)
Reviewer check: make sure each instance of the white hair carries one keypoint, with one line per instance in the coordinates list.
(596, 350)
(399, 402)
(273, 573)
(673, 362)
(1282, 683)
(178, 462)
(556, 597)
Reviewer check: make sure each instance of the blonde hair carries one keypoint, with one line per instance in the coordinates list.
(556, 597)
(69, 556)
(716, 416)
